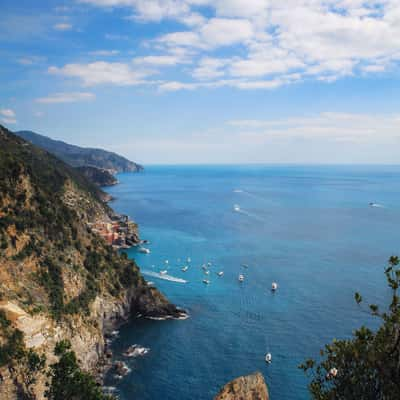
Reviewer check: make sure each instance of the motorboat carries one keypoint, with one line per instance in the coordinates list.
(144, 250)
(274, 286)
(220, 273)
(163, 272)
(207, 272)
(206, 281)
(236, 207)
(204, 267)
(268, 358)
(185, 268)
(241, 278)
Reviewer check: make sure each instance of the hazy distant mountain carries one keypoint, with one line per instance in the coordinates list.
(81, 156)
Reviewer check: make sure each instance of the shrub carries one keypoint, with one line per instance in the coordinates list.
(368, 365)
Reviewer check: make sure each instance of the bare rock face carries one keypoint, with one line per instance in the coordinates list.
(250, 387)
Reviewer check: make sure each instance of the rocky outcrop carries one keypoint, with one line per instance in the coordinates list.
(251, 387)
(98, 176)
(87, 335)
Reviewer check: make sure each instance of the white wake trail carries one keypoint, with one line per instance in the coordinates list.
(164, 277)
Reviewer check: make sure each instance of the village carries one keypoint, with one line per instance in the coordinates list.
(118, 231)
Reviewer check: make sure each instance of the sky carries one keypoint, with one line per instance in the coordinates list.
(207, 81)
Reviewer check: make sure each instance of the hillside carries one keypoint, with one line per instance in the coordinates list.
(58, 279)
(99, 176)
(80, 156)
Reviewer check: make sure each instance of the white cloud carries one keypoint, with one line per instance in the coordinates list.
(30, 60)
(161, 60)
(210, 68)
(214, 33)
(104, 53)
(63, 26)
(9, 120)
(8, 116)
(101, 72)
(266, 41)
(374, 68)
(343, 127)
(219, 32)
(7, 112)
(234, 83)
(65, 98)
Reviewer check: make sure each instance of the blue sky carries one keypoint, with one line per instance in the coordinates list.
(207, 81)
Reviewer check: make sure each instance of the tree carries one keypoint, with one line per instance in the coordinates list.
(367, 366)
(68, 381)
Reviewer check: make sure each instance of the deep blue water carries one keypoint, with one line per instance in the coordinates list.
(311, 229)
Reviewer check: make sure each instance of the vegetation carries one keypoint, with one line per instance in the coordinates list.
(68, 381)
(99, 176)
(368, 365)
(32, 184)
(53, 263)
(13, 353)
(79, 156)
(13, 347)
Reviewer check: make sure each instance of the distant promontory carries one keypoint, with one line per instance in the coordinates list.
(108, 163)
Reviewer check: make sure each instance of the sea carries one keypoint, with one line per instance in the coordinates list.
(320, 232)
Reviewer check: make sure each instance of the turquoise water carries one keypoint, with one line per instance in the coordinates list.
(311, 229)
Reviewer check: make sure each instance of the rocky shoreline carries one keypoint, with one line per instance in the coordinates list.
(150, 304)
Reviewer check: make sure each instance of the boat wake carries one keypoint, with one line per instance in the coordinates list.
(248, 214)
(376, 205)
(164, 277)
(254, 196)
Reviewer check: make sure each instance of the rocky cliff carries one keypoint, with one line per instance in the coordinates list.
(99, 176)
(58, 279)
(251, 387)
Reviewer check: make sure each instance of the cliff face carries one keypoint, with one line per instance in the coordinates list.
(58, 279)
(251, 387)
(99, 176)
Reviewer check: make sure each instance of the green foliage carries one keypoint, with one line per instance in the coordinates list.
(82, 302)
(33, 182)
(367, 366)
(51, 279)
(34, 364)
(13, 347)
(27, 250)
(68, 381)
